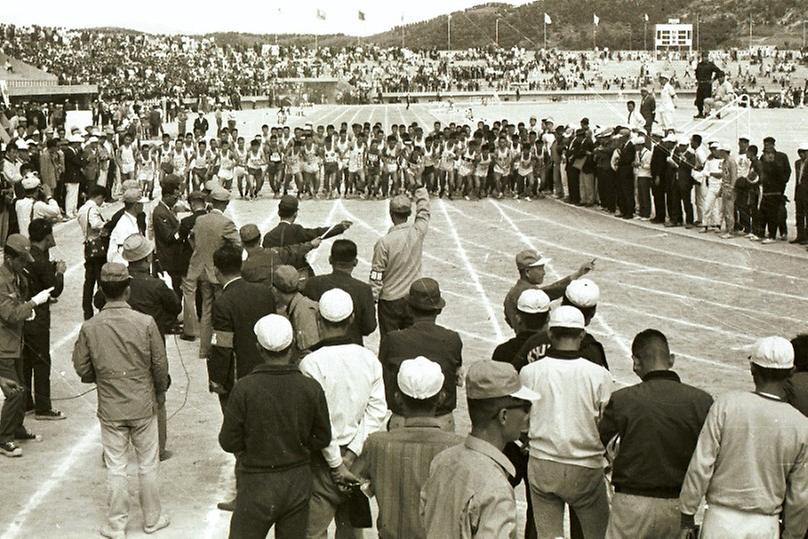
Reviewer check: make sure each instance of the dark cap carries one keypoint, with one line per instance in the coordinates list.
(425, 295)
(249, 233)
(769, 140)
(20, 245)
(113, 272)
(286, 279)
(288, 204)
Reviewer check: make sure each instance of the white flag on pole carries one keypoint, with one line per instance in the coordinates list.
(547, 19)
(646, 17)
(595, 19)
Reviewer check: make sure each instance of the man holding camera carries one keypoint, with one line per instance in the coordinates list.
(37, 204)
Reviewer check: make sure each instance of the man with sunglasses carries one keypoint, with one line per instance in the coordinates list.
(567, 458)
(468, 493)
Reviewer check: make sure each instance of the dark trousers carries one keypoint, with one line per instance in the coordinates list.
(36, 367)
(659, 190)
(13, 411)
(772, 215)
(92, 274)
(574, 184)
(606, 189)
(625, 188)
(279, 499)
(679, 196)
(703, 91)
(393, 315)
(644, 196)
(801, 201)
(519, 459)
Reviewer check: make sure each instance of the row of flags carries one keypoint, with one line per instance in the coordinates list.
(595, 19)
(359, 14)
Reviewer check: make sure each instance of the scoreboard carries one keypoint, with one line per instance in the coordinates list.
(673, 36)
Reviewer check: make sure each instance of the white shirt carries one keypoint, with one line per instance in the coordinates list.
(351, 377)
(744, 165)
(29, 209)
(644, 162)
(702, 153)
(636, 120)
(89, 215)
(563, 423)
(126, 226)
(666, 98)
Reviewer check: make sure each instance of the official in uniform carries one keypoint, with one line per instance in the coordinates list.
(343, 261)
(397, 260)
(191, 303)
(167, 233)
(15, 308)
(705, 71)
(211, 231)
(276, 419)
(154, 297)
(531, 266)
(287, 232)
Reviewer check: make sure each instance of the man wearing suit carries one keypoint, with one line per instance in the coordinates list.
(167, 233)
(290, 233)
(648, 107)
(343, 261)
(233, 352)
(625, 173)
(211, 231)
(801, 194)
(423, 338)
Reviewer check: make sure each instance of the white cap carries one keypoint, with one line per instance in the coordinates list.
(670, 138)
(21, 144)
(638, 140)
(92, 139)
(336, 305)
(583, 293)
(274, 333)
(683, 140)
(567, 316)
(803, 147)
(532, 301)
(724, 147)
(657, 131)
(773, 353)
(420, 378)
(30, 181)
(75, 138)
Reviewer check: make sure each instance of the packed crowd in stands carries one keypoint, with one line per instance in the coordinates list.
(317, 421)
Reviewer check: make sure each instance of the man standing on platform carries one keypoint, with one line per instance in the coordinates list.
(705, 71)
(397, 260)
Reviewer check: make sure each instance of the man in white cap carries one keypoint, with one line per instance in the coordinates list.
(397, 260)
(211, 231)
(584, 294)
(751, 459)
(711, 186)
(276, 421)
(37, 204)
(126, 225)
(657, 424)
(351, 377)
(700, 154)
(531, 266)
(567, 458)
(729, 175)
(467, 493)
(667, 104)
(397, 462)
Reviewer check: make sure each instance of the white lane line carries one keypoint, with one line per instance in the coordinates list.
(472, 273)
(599, 317)
(603, 237)
(745, 288)
(312, 256)
(59, 474)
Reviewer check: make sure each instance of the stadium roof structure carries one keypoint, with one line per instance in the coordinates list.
(24, 80)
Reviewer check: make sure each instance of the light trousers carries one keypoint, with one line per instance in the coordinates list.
(727, 523)
(116, 436)
(712, 204)
(642, 517)
(71, 199)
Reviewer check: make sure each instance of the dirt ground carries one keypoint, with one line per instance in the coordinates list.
(711, 297)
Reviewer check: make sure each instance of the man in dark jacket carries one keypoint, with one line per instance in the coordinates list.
(624, 174)
(261, 262)
(648, 107)
(706, 70)
(42, 274)
(343, 261)
(235, 311)
(774, 175)
(167, 234)
(659, 176)
(424, 338)
(290, 233)
(658, 423)
(275, 419)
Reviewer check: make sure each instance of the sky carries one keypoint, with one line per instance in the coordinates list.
(251, 16)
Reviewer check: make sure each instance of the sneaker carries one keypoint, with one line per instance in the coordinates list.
(27, 436)
(10, 449)
(749, 236)
(50, 415)
(784, 237)
(163, 522)
(753, 237)
(768, 241)
(704, 230)
(165, 455)
(726, 236)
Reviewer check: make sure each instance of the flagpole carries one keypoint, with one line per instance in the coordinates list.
(496, 33)
(645, 35)
(545, 32)
(750, 31)
(449, 32)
